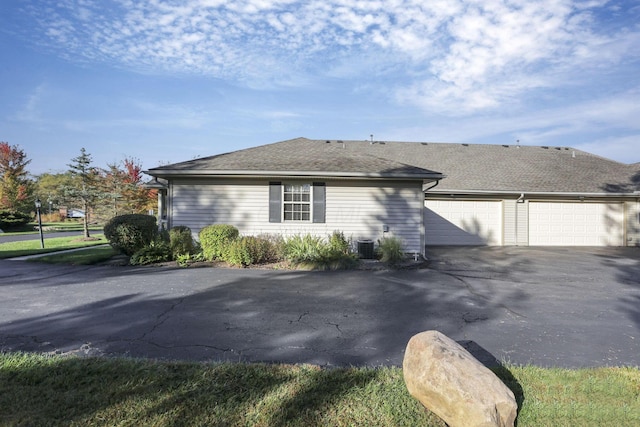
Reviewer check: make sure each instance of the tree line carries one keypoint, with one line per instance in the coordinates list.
(100, 193)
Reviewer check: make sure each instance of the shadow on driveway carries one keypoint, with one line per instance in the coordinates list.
(523, 306)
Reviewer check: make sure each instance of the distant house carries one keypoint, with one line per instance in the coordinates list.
(423, 193)
(75, 213)
(65, 212)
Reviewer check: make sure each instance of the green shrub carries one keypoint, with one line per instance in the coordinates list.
(390, 250)
(181, 241)
(215, 238)
(11, 219)
(237, 253)
(156, 251)
(251, 250)
(338, 243)
(271, 247)
(130, 233)
(186, 260)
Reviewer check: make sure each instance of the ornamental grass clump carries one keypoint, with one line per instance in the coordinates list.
(303, 248)
(390, 250)
(311, 252)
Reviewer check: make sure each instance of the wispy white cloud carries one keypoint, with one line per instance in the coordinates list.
(456, 56)
(30, 111)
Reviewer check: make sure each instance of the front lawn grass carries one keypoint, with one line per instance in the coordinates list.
(51, 244)
(83, 257)
(58, 390)
(49, 227)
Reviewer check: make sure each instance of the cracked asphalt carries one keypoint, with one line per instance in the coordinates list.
(567, 307)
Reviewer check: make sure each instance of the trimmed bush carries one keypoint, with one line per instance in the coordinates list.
(130, 233)
(11, 220)
(251, 250)
(237, 253)
(390, 250)
(181, 241)
(157, 251)
(214, 240)
(271, 247)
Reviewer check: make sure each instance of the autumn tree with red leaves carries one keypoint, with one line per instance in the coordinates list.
(124, 183)
(16, 189)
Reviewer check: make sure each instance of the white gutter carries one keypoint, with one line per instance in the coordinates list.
(240, 173)
(531, 193)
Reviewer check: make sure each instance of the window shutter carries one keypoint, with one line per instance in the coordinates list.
(319, 197)
(275, 202)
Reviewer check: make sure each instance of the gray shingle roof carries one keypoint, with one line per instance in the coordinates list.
(301, 157)
(467, 167)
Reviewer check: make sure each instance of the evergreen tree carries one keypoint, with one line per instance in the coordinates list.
(85, 185)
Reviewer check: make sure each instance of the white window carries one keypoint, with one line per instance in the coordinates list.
(297, 202)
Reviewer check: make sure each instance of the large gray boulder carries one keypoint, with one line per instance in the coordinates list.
(454, 385)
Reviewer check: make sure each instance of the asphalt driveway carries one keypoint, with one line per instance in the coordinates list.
(545, 306)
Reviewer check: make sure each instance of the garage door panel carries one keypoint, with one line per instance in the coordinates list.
(576, 224)
(456, 222)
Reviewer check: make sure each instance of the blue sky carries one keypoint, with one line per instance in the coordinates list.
(168, 81)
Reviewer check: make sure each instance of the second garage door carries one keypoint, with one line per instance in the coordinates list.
(462, 222)
(576, 224)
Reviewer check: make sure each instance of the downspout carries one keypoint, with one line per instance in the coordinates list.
(518, 201)
(636, 223)
(424, 246)
(432, 187)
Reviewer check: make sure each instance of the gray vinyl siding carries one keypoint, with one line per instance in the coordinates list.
(522, 224)
(509, 222)
(632, 215)
(359, 209)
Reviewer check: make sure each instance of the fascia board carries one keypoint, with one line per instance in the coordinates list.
(446, 192)
(306, 174)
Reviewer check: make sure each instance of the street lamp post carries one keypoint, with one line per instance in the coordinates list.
(38, 206)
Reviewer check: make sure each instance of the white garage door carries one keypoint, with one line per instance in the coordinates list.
(456, 222)
(576, 224)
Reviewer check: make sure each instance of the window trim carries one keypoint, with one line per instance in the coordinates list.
(292, 203)
(317, 202)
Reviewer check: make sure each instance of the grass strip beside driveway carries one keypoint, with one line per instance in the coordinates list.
(90, 256)
(58, 390)
(51, 227)
(52, 244)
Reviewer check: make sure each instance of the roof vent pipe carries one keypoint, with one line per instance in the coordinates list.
(371, 143)
(573, 154)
